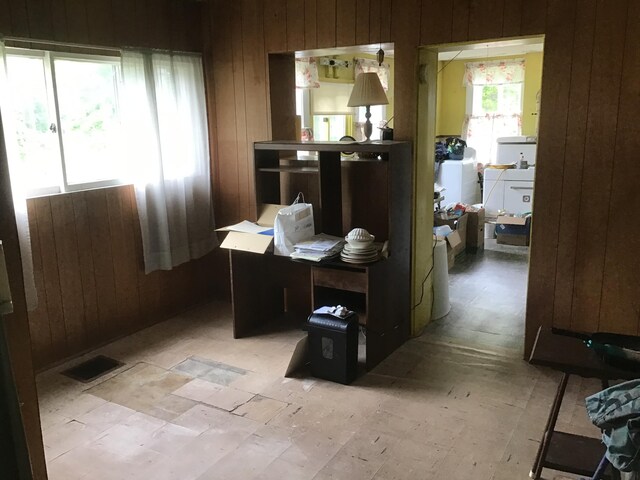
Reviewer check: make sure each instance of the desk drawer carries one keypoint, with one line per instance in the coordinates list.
(340, 279)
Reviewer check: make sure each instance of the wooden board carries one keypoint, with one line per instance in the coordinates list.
(436, 23)
(620, 301)
(548, 183)
(606, 72)
(585, 15)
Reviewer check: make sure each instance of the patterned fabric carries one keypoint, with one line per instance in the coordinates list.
(494, 73)
(483, 130)
(364, 65)
(616, 411)
(307, 73)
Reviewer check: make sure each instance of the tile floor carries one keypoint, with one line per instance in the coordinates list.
(191, 403)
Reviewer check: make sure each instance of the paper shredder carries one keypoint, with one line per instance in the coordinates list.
(333, 347)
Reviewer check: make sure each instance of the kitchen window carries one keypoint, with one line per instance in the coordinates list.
(63, 111)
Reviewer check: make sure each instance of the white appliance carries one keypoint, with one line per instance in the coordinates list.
(509, 189)
(460, 181)
(510, 148)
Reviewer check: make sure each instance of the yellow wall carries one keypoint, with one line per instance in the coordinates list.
(452, 95)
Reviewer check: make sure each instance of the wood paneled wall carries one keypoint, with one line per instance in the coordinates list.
(167, 24)
(584, 265)
(89, 273)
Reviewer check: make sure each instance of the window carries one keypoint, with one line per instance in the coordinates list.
(63, 110)
(495, 99)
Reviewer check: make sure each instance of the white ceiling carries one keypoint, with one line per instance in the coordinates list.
(492, 49)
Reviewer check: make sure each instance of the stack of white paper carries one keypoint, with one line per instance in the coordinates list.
(319, 247)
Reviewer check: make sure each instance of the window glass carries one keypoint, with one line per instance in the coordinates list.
(87, 102)
(33, 122)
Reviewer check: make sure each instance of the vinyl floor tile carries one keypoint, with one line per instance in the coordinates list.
(457, 402)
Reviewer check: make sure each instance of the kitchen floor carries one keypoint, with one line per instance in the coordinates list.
(456, 403)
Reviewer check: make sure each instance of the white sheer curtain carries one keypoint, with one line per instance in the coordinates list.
(482, 127)
(18, 185)
(164, 115)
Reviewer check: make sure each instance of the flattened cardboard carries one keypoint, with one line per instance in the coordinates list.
(253, 242)
(247, 242)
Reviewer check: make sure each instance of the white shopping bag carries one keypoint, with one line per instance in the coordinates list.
(293, 224)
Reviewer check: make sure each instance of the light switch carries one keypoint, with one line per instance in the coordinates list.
(6, 305)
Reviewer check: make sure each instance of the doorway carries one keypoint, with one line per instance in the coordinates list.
(479, 106)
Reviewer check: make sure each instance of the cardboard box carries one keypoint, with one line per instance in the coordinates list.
(453, 242)
(475, 230)
(513, 230)
(252, 237)
(458, 225)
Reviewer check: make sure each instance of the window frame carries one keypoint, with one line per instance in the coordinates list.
(48, 58)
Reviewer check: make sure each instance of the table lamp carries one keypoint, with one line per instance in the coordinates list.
(367, 91)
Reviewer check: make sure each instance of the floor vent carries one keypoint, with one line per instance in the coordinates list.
(93, 368)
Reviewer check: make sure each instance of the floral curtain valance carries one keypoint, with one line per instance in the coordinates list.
(363, 65)
(307, 73)
(494, 73)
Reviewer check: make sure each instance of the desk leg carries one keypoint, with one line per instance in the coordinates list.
(536, 471)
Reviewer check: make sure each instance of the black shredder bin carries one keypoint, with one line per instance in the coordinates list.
(333, 347)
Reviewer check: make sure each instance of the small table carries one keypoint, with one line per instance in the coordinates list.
(559, 450)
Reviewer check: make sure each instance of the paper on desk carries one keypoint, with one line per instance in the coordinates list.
(320, 243)
(245, 226)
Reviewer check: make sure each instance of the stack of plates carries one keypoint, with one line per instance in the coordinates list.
(364, 254)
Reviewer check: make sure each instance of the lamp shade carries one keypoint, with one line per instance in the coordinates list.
(367, 91)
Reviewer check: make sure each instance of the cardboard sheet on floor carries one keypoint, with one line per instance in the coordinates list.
(299, 358)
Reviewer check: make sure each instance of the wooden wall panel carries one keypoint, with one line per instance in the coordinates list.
(66, 247)
(295, 22)
(606, 70)
(437, 20)
(165, 24)
(386, 13)
(100, 22)
(482, 19)
(374, 21)
(90, 276)
(19, 18)
(326, 23)
(460, 23)
(255, 87)
(551, 145)
(620, 306)
(245, 187)
(362, 22)
(275, 26)
(582, 122)
(585, 15)
(512, 18)
(310, 24)
(346, 23)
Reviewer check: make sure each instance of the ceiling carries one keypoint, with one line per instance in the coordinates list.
(492, 49)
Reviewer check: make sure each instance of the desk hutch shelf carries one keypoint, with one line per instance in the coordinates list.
(346, 192)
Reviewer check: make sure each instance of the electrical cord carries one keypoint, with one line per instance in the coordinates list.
(447, 64)
(426, 277)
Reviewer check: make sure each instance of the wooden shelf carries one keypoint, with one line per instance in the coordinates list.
(574, 453)
(290, 169)
(370, 193)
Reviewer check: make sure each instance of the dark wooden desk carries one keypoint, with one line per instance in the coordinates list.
(267, 287)
(559, 450)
